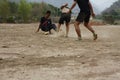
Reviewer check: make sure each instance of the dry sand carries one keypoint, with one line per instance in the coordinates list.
(26, 55)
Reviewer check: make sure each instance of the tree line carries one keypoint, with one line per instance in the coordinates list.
(112, 14)
(23, 11)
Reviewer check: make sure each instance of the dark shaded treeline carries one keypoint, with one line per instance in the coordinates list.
(112, 14)
(23, 11)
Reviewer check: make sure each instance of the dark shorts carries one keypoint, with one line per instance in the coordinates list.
(48, 28)
(83, 17)
(65, 18)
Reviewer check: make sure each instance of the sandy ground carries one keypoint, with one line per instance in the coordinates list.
(26, 55)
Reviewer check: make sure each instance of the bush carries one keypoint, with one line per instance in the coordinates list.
(109, 19)
(24, 10)
(11, 19)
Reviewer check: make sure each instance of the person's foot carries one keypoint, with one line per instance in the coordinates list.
(79, 38)
(66, 36)
(95, 36)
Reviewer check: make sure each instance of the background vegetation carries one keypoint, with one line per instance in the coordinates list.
(112, 14)
(23, 11)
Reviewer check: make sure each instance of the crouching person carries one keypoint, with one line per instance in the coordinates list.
(46, 23)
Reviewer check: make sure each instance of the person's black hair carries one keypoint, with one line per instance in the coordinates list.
(48, 12)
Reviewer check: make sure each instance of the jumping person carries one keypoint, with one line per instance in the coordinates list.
(46, 23)
(65, 17)
(86, 10)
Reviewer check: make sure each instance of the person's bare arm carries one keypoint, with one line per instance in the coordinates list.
(64, 6)
(91, 9)
(73, 5)
(38, 28)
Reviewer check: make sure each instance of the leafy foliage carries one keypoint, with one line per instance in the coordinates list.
(23, 11)
(4, 10)
(112, 14)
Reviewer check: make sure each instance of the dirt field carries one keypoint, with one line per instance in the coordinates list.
(26, 55)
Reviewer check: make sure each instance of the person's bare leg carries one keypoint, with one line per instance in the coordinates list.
(91, 29)
(67, 29)
(77, 28)
(38, 29)
(50, 32)
(59, 25)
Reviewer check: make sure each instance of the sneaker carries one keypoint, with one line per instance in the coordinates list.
(95, 36)
(66, 36)
(79, 38)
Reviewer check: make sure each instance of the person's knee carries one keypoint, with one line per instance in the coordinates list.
(59, 24)
(67, 24)
(76, 24)
(86, 24)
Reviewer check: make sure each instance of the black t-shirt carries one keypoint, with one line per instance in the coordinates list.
(83, 5)
(45, 21)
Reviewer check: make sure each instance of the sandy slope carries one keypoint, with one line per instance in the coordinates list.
(26, 55)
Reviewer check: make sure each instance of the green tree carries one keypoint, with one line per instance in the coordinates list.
(4, 9)
(108, 19)
(13, 8)
(24, 10)
(39, 9)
